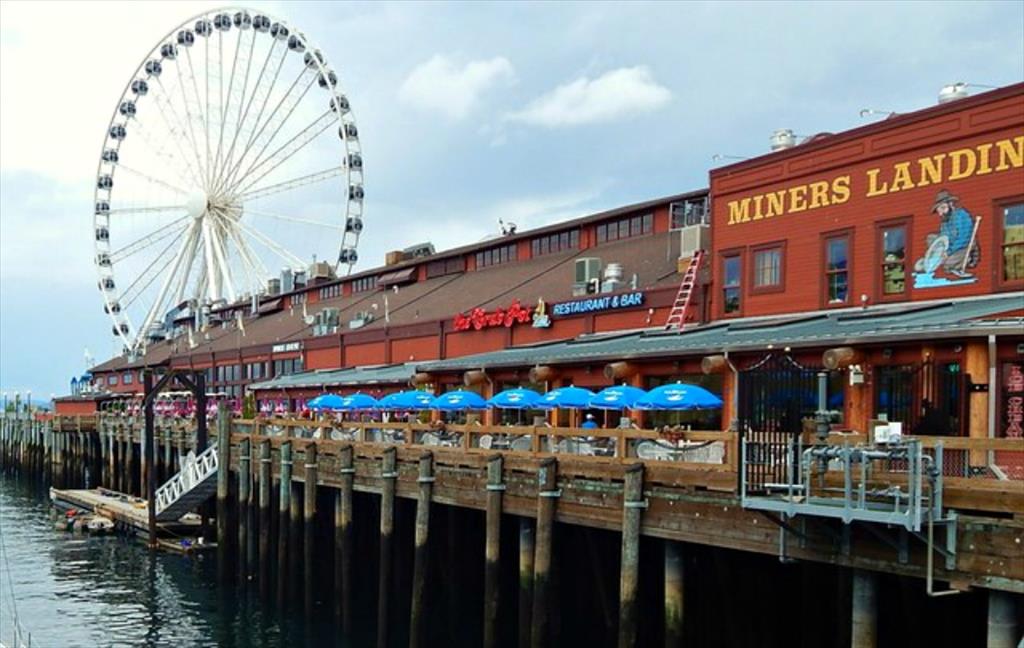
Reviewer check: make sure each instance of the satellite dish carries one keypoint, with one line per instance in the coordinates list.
(309, 319)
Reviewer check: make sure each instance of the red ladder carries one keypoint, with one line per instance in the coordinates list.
(681, 306)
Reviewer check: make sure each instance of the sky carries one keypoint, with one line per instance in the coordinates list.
(467, 113)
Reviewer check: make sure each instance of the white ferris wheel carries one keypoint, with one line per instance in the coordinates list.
(231, 153)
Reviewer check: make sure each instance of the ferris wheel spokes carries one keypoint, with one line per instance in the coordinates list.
(286, 151)
(292, 219)
(172, 228)
(293, 183)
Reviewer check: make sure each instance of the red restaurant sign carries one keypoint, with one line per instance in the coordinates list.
(479, 319)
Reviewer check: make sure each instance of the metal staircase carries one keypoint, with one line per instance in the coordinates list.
(184, 492)
(681, 306)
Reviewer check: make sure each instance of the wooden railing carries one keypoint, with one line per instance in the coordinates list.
(612, 445)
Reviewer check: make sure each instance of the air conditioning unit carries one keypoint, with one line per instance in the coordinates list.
(587, 278)
(274, 286)
(693, 238)
(287, 280)
(321, 270)
(418, 251)
(361, 319)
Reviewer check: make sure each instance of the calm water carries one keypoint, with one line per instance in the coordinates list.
(74, 590)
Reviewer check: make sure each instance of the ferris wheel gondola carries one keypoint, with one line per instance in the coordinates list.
(231, 151)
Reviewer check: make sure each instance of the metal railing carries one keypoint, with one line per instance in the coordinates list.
(195, 471)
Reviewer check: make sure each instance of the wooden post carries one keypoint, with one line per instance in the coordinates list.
(309, 522)
(223, 489)
(864, 618)
(419, 570)
(168, 461)
(674, 601)
(244, 493)
(632, 503)
(387, 526)
(265, 517)
(547, 482)
(526, 549)
(1003, 620)
(129, 462)
(492, 550)
(976, 366)
(147, 455)
(284, 517)
(343, 539)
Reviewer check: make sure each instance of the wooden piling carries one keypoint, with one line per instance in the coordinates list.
(112, 464)
(864, 618)
(1003, 620)
(223, 489)
(492, 550)
(244, 492)
(265, 517)
(343, 539)
(629, 569)
(309, 523)
(674, 601)
(526, 549)
(387, 526)
(419, 570)
(284, 514)
(547, 482)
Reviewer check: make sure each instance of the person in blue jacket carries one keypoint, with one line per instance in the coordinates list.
(957, 226)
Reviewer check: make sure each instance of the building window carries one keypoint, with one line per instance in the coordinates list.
(329, 292)
(443, 267)
(893, 248)
(689, 212)
(732, 270)
(496, 256)
(126, 379)
(112, 379)
(1012, 256)
(299, 298)
(555, 243)
(287, 367)
(767, 268)
(837, 269)
(364, 284)
(625, 228)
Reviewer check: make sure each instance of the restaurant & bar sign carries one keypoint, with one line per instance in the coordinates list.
(594, 304)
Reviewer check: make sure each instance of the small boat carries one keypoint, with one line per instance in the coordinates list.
(99, 525)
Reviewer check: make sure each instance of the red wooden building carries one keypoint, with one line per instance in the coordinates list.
(900, 243)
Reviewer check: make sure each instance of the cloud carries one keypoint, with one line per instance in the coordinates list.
(441, 85)
(613, 95)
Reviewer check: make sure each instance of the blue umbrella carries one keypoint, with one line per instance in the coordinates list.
(325, 401)
(570, 397)
(407, 400)
(679, 396)
(358, 402)
(456, 401)
(617, 398)
(518, 398)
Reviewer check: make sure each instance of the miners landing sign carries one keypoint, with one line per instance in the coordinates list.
(959, 164)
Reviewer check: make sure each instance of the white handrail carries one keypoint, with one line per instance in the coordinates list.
(195, 470)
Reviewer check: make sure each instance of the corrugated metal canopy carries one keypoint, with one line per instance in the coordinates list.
(968, 317)
(351, 377)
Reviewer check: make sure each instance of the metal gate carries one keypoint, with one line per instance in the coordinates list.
(928, 398)
(775, 395)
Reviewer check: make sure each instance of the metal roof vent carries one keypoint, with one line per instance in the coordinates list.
(782, 138)
(952, 92)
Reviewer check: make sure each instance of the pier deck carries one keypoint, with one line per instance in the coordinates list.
(121, 508)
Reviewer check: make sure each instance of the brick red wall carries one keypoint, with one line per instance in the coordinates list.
(370, 353)
(941, 131)
(415, 349)
(74, 407)
(328, 358)
(467, 342)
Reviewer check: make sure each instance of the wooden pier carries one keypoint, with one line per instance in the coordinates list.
(287, 496)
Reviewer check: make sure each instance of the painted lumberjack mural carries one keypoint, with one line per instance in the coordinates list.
(951, 252)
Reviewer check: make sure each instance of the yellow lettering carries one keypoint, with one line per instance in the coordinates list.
(983, 159)
(931, 170)
(797, 199)
(757, 207)
(776, 200)
(840, 190)
(873, 187)
(964, 161)
(819, 195)
(901, 179)
(739, 211)
(1011, 153)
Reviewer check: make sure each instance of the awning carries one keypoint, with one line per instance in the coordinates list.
(352, 377)
(397, 277)
(873, 325)
(271, 306)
